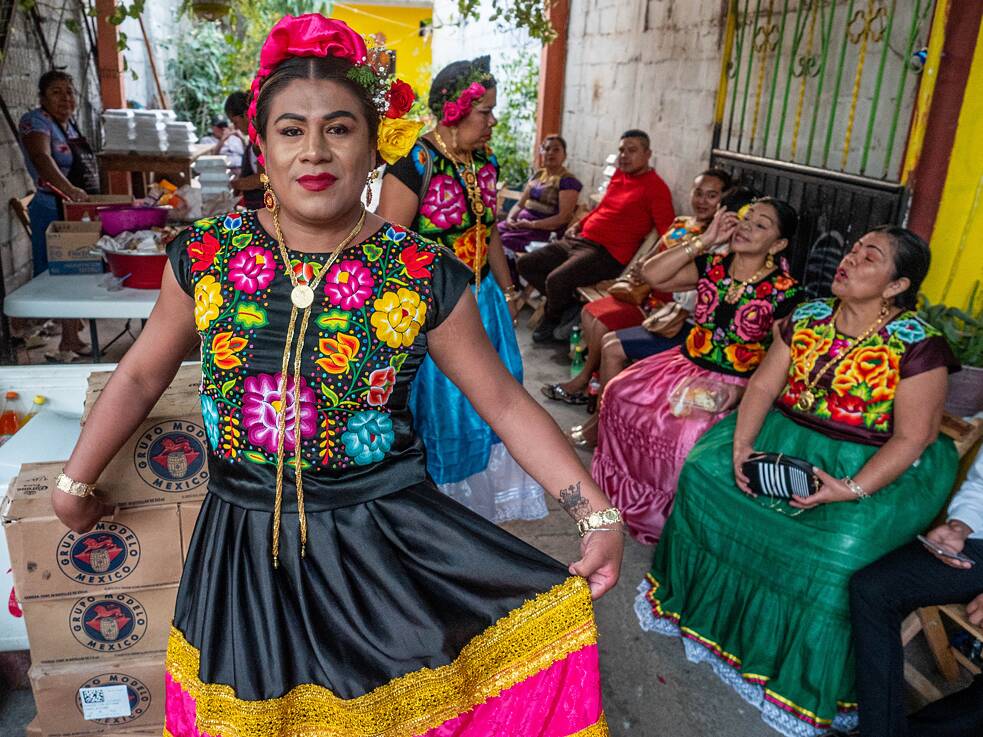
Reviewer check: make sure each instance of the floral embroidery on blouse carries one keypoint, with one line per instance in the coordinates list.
(368, 312)
(445, 212)
(733, 338)
(859, 391)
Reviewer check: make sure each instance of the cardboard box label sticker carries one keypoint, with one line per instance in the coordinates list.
(110, 623)
(104, 702)
(137, 697)
(171, 456)
(105, 555)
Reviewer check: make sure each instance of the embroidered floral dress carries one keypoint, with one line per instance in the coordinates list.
(468, 462)
(759, 589)
(641, 443)
(406, 614)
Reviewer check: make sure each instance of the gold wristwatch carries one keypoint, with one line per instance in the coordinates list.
(73, 487)
(598, 520)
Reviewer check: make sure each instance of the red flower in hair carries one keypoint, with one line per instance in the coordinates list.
(401, 99)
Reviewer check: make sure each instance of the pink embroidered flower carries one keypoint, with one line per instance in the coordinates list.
(753, 320)
(252, 269)
(488, 182)
(349, 284)
(381, 383)
(260, 403)
(444, 202)
(706, 301)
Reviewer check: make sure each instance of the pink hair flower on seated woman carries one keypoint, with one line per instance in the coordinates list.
(349, 284)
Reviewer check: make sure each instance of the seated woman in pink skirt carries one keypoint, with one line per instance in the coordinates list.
(654, 412)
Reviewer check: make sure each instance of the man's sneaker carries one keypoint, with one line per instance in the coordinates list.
(544, 332)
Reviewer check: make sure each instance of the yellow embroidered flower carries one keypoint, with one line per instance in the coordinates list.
(208, 298)
(398, 317)
(224, 348)
(876, 366)
(338, 353)
(396, 138)
(807, 346)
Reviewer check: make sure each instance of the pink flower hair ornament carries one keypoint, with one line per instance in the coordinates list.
(457, 110)
(312, 34)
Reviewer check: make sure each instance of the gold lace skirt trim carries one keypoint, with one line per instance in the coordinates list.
(597, 729)
(528, 640)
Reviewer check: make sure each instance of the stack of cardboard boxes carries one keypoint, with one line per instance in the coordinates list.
(98, 605)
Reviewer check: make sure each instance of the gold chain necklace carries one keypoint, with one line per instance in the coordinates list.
(477, 207)
(301, 297)
(808, 397)
(736, 288)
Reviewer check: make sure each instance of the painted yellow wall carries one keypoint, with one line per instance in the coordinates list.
(400, 25)
(957, 239)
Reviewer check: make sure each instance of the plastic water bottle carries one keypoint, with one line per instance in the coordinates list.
(576, 351)
(593, 393)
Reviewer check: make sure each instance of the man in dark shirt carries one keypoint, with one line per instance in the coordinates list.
(602, 243)
(247, 183)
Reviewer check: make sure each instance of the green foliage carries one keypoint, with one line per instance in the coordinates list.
(513, 137)
(532, 15)
(962, 328)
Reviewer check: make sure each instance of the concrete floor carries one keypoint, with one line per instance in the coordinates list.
(650, 689)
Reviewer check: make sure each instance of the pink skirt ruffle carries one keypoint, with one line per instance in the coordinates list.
(642, 445)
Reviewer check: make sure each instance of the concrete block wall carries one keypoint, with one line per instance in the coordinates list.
(649, 64)
(23, 63)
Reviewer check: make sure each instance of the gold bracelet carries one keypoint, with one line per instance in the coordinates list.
(595, 521)
(700, 245)
(75, 488)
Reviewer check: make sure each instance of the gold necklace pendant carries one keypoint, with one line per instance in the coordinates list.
(805, 401)
(733, 293)
(302, 296)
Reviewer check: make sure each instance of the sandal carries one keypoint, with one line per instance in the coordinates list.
(558, 394)
(61, 356)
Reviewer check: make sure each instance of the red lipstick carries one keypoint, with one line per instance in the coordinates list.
(316, 182)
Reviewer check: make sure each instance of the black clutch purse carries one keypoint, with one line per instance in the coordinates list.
(779, 475)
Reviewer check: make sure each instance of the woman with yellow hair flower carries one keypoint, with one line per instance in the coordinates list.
(445, 189)
(329, 588)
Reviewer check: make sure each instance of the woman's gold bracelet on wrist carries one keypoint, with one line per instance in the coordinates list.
(856, 488)
(596, 521)
(75, 488)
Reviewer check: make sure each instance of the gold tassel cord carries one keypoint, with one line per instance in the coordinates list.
(285, 374)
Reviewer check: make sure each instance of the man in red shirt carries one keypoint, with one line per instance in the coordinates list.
(600, 245)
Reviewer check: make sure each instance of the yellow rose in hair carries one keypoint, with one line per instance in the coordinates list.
(396, 138)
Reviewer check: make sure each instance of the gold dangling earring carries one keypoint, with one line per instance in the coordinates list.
(368, 187)
(269, 196)
(454, 140)
(769, 262)
(885, 307)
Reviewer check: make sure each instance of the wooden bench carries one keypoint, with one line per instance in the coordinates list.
(928, 620)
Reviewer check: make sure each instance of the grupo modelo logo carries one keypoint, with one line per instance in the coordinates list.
(106, 554)
(170, 456)
(138, 693)
(109, 623)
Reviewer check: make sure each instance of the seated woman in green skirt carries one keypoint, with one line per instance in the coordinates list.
(758, 586)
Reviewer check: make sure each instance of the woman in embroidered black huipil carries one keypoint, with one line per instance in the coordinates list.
(329, 587)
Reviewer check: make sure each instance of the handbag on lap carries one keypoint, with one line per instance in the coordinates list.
(779, 475)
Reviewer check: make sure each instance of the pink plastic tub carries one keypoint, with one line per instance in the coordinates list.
(116, 220)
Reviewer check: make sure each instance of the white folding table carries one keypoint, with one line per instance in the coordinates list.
(83, 297)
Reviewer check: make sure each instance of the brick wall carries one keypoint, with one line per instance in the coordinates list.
(649, 64)
(23, 63)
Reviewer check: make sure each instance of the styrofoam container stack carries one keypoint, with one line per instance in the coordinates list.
(213, 174)
(150, 130)
(118, 128)
(181, 136)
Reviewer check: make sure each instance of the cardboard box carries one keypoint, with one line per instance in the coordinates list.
(166, 460)
(135, 548)
(90, 208)
(34, 730)
(189, 517)
(70, 248)
(108, 624)
(56, 694)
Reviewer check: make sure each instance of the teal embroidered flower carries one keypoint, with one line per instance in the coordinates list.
(818, 309)
(368, 436)
(209, 413)
(909, 330)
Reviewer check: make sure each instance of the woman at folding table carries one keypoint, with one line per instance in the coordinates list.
(60, 162)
